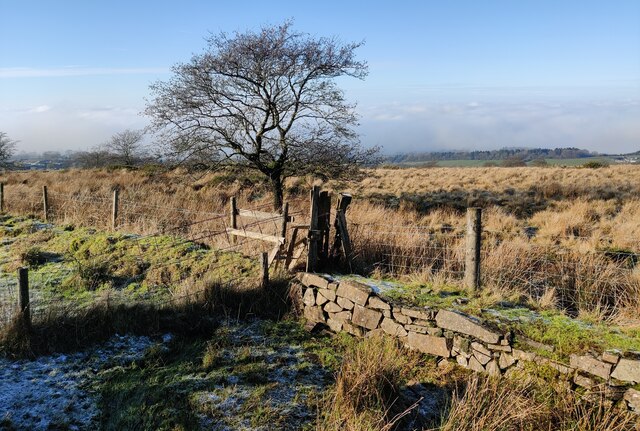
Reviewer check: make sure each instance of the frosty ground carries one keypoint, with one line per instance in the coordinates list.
(249, 376)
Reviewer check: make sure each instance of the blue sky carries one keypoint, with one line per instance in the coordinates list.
(442, 74)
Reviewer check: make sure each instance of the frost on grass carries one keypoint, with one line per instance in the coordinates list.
(266, 383)
(53, 391)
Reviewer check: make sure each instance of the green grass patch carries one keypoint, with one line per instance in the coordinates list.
(67, 263)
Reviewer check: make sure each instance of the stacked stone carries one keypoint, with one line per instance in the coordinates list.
(353, 307)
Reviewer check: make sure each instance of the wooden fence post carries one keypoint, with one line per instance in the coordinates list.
(114, 208)
(285, 220)
(45, 202)
(312, 256)
(23, 283)
(233, 218)
(1, 197)
(473, 246)
(264, 270)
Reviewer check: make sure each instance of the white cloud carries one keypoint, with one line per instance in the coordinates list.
(43, 128)
(40, 109)
(29, 72)
(610, 126)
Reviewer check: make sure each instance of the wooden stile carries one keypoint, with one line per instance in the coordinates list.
(314, 234)
(256, 235)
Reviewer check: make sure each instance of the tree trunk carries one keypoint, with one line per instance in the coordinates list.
(277, 186)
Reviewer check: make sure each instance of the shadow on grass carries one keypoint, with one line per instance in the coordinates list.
(62, 327)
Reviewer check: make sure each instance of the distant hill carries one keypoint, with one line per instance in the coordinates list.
(525, 154)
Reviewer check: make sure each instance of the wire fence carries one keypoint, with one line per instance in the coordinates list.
(180, 250)
(549, 270)
(571, 271)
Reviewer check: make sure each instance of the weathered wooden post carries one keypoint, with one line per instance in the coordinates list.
(114, 208)
(285, 220)
(233, 216)
(473, 245)
(23, 283)
(264, 270)
(1, 197)
(324, 224)
(342, 239)
(45, 203)
(313, 236)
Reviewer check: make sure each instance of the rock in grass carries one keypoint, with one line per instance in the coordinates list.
(632, 397)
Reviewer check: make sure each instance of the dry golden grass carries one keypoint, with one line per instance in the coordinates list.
(372, 391)
(549, 181)
(580, 255)
(521, 404)
(367, 387)
(193, 206)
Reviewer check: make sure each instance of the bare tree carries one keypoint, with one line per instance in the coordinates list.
(94, 158)
(265, 100)
(126, 146)
(7, 148)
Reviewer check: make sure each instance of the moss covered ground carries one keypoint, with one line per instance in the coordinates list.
(78, 264)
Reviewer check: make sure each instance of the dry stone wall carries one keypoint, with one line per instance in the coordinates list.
(353, 307)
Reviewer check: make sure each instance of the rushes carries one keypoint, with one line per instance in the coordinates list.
(369, 394)
(367, 387)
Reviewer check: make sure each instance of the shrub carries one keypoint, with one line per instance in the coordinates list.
(539, 163)
(92, 272)
(595, 164)
(34, 256)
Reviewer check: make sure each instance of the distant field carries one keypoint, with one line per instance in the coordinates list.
(578, 162)
(480, 163)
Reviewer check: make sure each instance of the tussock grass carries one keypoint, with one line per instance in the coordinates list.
(367, 387)
(375, 374)
(521, 404)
